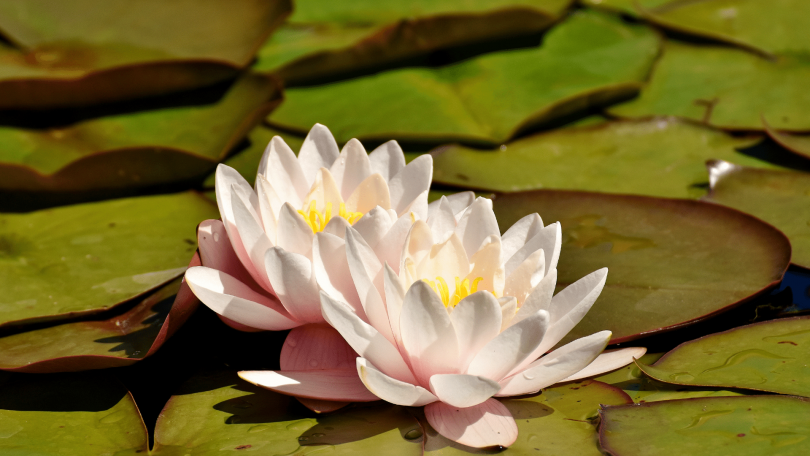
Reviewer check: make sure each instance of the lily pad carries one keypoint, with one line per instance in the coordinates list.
(672, 262)
(743, 426)
(561, 420)
(780, 198)
(726, 88)
(118, 341)
(658, 157)
(172, 144)
(217, 411)
(630, 7)
(799, 144)
(83, 259)
(325, 38)
(769, 356)
(588, 60)
(97, 51)
(69, 415)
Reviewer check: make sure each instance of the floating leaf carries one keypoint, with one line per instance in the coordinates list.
(69, 415)
(725, 87)
(96, 51)
(625, 6)
(323, 38)
(171, 144)
(561, 420)
(658, 157)
(83, 259)
(219, 412)
(781, 198)
(769, 356)
(799, 144)
(672, 262)
(588, 60)
(743, 426)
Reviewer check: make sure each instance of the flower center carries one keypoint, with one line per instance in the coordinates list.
(318, 220)
(463, 289)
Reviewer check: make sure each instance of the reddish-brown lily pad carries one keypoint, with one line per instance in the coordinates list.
(671, 262)
(96, 51)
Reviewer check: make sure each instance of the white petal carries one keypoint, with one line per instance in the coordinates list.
(389, 248)
(337, 227)
(315, 346)
(417, 245)
(461, 390)
(525, 277)
(253, 239)
(487, 424)
(366, 272)
(520, 233)
(390, 389)
(280, 167)
(294, 234)
(226, 179)
(332, 270)
(487, 266)
(510, 348)
(294, 282)
(351, 167)
(477, 224)
(269, 207)
(458, 202)
(394, 296)
(442, 221)
(508, 310)
(325, 384)
(418, 207)
(387, 160)
(372, 192)
(374, 225)
(607, 361)
(318, 151)
(539, 298)
(549, 239)
(447, 260)
(410, 182)
(477, 320)
(324, 191)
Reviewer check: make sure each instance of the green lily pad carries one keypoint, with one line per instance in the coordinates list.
(726, 88)
(561, 420)
(118, 341)
(138, 149)
(96, 51)
(83, 259)
(69, 415)
(324, 38)
(780, 198)
(590, 59)
(799, 144)
(658, 157)
(219, 412)
(629, 7)
(743, 426)
(642, 388)
(672, 262)
(769, 356)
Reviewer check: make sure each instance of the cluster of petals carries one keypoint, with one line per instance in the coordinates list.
(459, 316)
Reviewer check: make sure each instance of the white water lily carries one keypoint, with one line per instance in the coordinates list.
(464, 316)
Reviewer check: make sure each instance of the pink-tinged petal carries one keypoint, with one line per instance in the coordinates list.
(458, 203)
(313, 347)
(461, 390)
(217, 252)
(351, 167)
(269, 207)
(332, 270)
(324, 384)
(508, 310)
(477, 224)
(447, 260)
(487, 266)
(389, 248)
(510, 348)
(520, 233)
(280, 167)
(236, 301)
(294, 282)
(226, 179)
(366, 272)
(556, 366)
(324, 191)
(294, 235)
(416, 247)
(318, 151)
(526, 277)
(410, 182)
(484, 425)
(442, 221)
(394, 296)
(476, 320)
(374, 226)
(372, 192)
(365, 339)
(253, 239)
(607, 361)
(539, 298)
(387, 160)
(390, 389)
(548, 239)
(428, 336)
(238, 326)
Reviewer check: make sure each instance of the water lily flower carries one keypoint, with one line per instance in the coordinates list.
(276, 247)
(467, 315)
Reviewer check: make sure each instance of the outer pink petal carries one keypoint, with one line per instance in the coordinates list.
(462, 390)
(390, 389)
(217, 252)
(609, 360)
(325, 384)
(484, 425)
(315, 347)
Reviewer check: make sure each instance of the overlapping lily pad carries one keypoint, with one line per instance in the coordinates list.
(171, 144)
(799, 144)
(561, 420)
(324, 38)
(94, 51)
(769, 356)
(69, 415)
(725, 87)
(781, 198)
(219, 412)
(630, 7)
(671, 262)
(658, 157)
(588, 60)
(83, 259)
(743, 426)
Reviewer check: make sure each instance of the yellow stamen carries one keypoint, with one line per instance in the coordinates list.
(318, 220)
(463, 289)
